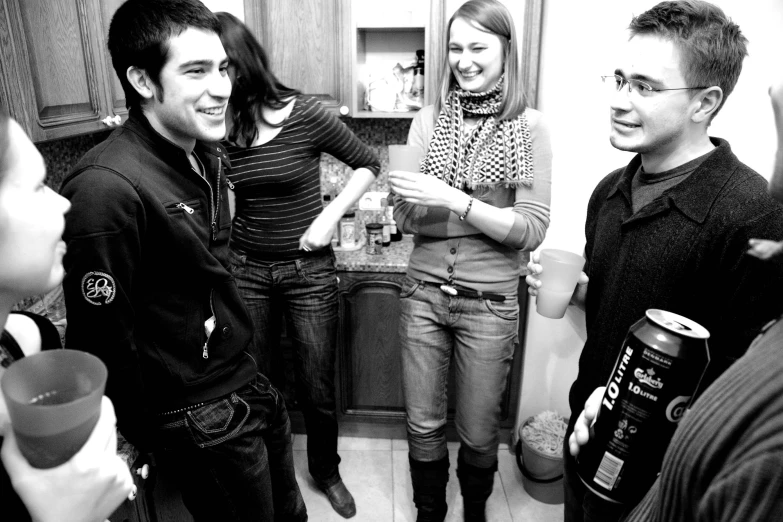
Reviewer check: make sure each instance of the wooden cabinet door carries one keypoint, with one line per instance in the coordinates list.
(307, 44)
(53, 66)
(370, 370)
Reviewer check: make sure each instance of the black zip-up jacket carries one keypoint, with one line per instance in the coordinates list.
(146, 268)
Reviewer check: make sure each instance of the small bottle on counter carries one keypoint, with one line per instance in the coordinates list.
(348, 230)
(394, 232)
(374, 238)
(384, 220)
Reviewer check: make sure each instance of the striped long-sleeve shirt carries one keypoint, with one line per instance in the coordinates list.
(277, 184)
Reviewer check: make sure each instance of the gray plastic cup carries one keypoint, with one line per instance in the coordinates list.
(54, 401)
(560, 274)
(405, 157)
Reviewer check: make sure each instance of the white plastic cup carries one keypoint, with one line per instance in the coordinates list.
(405, 158)
(560, 273)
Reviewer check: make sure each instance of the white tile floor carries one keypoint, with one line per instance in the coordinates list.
(376, 472)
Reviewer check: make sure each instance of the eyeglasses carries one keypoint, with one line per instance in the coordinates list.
(617, 83)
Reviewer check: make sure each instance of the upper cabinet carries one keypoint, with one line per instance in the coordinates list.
(394, 56)
(57, 80)
(55, 73)
(307, 44)
(325, 47)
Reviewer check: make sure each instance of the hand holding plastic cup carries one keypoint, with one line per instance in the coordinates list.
(559, 275)
(54, 401)
(405, 158)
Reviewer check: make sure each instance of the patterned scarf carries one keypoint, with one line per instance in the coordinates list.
(496, 153)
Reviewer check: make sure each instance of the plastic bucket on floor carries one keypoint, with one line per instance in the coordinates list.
(542, 474)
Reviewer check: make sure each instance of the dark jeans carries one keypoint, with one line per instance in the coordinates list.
(233, 457)
(305, 291)
(581, 504)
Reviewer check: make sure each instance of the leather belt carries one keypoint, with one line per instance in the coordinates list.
(454, 290)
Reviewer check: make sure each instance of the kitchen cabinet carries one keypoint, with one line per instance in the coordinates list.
(139, 508)
(307, 43)
(56, 77)
(384, 34)
(157, 498)
(317, 46)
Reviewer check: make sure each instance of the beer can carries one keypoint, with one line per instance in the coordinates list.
(663, 358)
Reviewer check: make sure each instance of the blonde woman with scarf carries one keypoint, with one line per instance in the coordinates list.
(479, 205)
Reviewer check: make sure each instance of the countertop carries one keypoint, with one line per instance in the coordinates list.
(394, 258)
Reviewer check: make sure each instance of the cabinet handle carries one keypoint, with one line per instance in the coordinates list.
(344, 110)
(112, 121)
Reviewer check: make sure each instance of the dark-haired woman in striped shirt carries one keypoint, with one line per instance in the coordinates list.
(280, 242)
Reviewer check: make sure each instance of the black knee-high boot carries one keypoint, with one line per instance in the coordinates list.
(476, 485)
(429, 488)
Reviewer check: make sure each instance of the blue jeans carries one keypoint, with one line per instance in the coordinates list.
(480, 335)
(305, 290)
(233, 457)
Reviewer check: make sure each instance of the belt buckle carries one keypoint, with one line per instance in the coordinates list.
(448, 289)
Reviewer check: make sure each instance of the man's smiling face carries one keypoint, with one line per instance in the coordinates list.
(195, 90)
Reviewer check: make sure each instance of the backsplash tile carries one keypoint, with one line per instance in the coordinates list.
(377, 133)
(61, 155)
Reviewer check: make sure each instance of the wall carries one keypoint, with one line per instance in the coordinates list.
(580, 40)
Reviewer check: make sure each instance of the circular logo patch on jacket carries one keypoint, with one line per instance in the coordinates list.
(98, 288)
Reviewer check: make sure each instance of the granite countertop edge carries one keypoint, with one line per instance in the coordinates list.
(394, 259)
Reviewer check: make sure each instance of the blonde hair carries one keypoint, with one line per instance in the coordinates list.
(492, 17)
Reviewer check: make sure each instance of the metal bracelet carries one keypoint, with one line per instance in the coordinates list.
(465, 214)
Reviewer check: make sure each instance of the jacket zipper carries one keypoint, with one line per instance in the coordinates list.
(185, 208)
(217, 200)
(214, 202)
(205, 351)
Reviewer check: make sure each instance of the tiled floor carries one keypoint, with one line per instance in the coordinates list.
(376, 472)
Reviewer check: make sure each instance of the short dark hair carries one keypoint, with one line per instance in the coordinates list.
(254, 86)
(140, 32)
(492, 17)
(711, 46)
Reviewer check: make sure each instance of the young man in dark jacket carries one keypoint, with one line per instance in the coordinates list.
(670, 230)
(147, 289)
(725, 461)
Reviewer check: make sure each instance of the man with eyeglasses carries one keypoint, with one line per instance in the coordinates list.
(671, 229)
(725, 461)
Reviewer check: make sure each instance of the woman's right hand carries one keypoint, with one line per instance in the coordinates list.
(87, 488)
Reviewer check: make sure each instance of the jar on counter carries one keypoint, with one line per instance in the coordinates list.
(348, 230)
(374, 238)
(384, 220)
